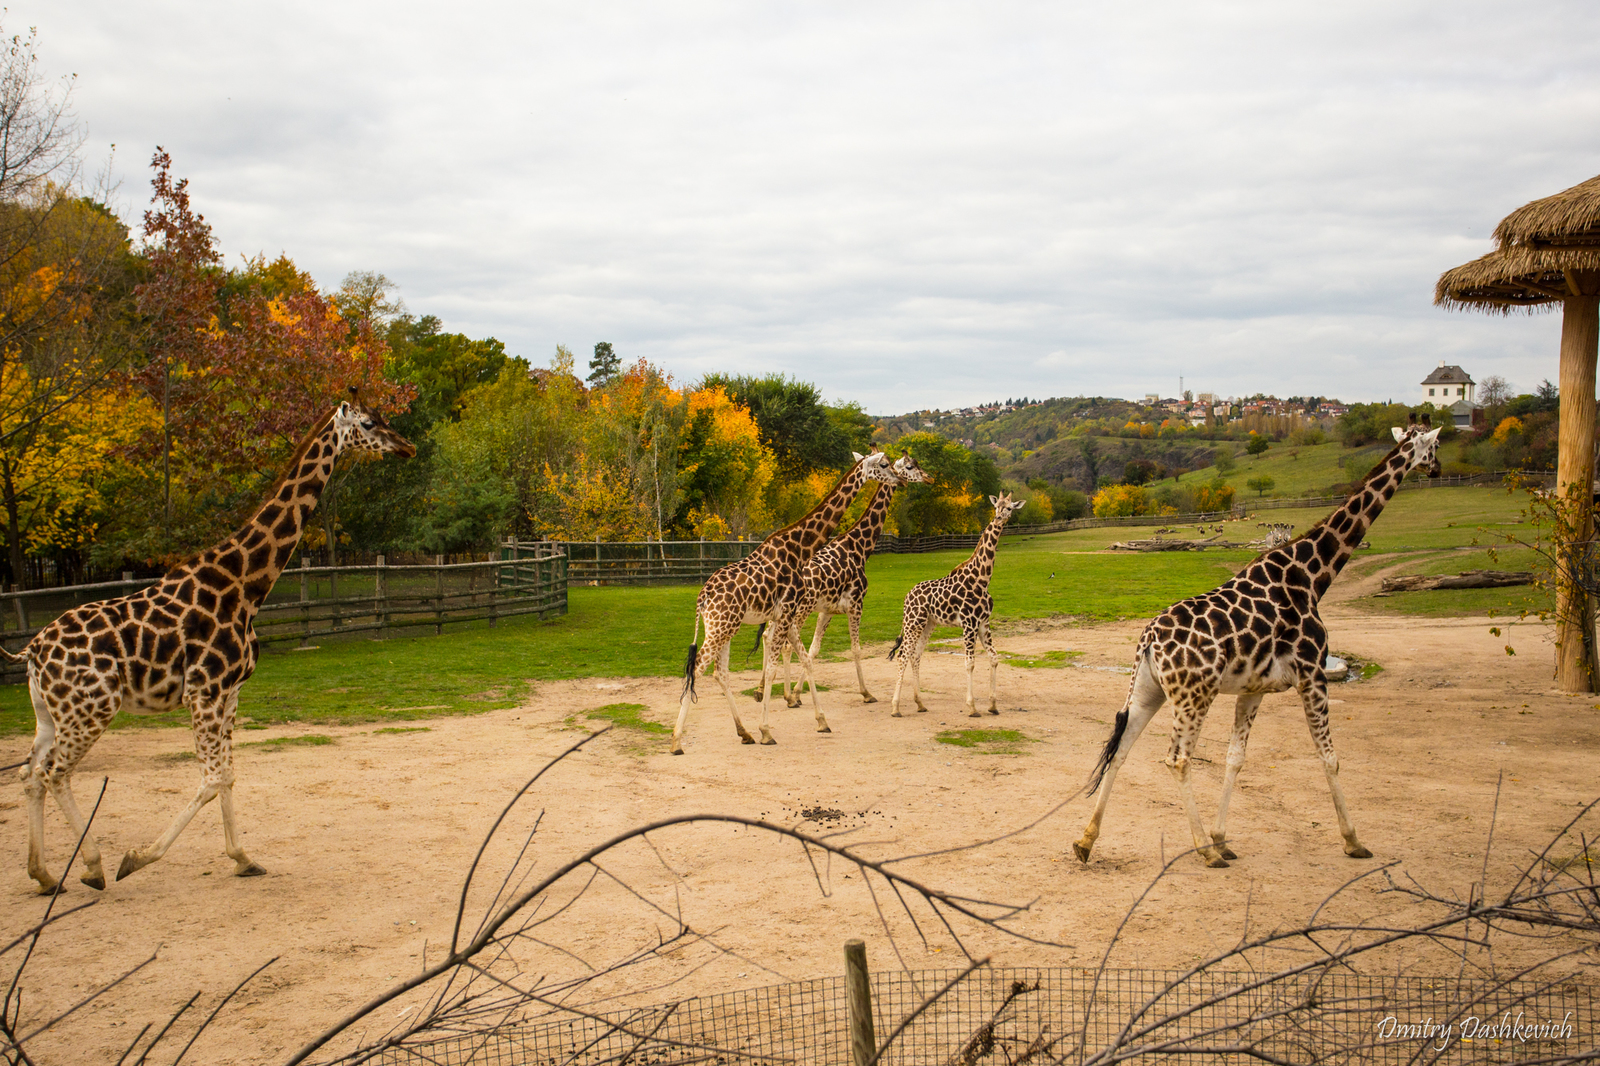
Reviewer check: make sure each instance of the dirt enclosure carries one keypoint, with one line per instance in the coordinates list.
(367, 837)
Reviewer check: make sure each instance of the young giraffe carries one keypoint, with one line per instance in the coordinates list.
(759, 588)
(188, 639)
(961, 598)
(835, 580)
(1256, 634)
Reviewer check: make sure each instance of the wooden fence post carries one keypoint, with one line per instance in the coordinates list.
(305, 599)
(438, 603)
(380, 589)
(494, 586)
(858, 992)
(22, 609)
(333, 591)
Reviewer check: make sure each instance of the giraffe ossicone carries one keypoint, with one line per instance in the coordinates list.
(759, 589)
(1256, 634)
(189, 639)
(961, 598)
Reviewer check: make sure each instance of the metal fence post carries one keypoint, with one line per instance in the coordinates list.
(858, 992)
(305, 600)
(380, 588)
(438, 604)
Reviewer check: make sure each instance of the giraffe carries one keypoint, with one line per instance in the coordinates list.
(959, 598)
(1255, 634)
(189, 639)
(835, 580)
(759, 588)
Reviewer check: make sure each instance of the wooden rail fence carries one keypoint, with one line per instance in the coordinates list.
(310, 602)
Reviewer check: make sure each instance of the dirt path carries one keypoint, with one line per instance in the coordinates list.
(367, 837)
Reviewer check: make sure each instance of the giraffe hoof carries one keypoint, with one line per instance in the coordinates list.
(896, 714)
(50, 888)
(824, 729)
(1227, 852)
(1217, 862)
(921, 709)
(974, 713)
(130, 862)
(746, 738)
(867, 697)
(94, 881)
(1081, 850)
(249, 868)
(1358, 852)
(768, 739)
(677, 751)
(994, 710)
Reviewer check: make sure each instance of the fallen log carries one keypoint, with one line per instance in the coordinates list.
(1467, 579)
(1160, 545)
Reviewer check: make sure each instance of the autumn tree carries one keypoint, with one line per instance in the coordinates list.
(723, 467)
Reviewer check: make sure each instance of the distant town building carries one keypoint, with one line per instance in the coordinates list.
(1448, 384)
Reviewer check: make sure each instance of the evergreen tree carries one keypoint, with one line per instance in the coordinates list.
(605, 365)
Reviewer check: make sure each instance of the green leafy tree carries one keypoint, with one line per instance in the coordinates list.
(1262, 483)
(1258, 444)
(803, 433)
(1222, 458)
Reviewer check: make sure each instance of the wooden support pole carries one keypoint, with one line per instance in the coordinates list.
(305, 598)
(858, 992)
(438, 604)
(380, 588)
(1580, 330)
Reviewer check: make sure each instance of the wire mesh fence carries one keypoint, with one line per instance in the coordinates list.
(1080, 1016)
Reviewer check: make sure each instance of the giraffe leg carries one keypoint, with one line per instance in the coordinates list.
(911, 635)
(1188, 712)
(810, 679)
(994, 666)
(243, 866)
(1314, 695)
(215, 767)
(969, 639)
(727, 690)
(791, 693)
(769, 670)
(50, 770)
(1144, 700)
(1244, 714)
(916, 669)
(854, 615)
(34, 789)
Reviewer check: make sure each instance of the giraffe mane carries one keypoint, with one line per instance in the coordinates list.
(816, 507)
(1379, 465)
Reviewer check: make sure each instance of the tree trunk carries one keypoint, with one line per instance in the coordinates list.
(13, 529)
(1580, 328)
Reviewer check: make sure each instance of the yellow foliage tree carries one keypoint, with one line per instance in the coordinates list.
(723, 468)
(1115, 501)
(591, 504)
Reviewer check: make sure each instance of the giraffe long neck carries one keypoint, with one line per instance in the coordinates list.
(863, 536)
(262, 546)
(981, 562)
(804, 537)
(1338, 536)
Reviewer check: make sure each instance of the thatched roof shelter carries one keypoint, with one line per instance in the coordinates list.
(1515, 279)
(1548, 253)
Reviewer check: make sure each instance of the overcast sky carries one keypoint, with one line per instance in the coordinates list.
(911, 204)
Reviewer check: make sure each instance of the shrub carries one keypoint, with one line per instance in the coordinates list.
(1115, 501)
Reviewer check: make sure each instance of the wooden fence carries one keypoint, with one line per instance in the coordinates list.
(650, 562)
(310, 602)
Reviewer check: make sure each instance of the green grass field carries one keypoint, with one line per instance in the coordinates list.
(646, 631)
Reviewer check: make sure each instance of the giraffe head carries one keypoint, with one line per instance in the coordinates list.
(1423, 445)
(358, 428)
(907, 470)
(1005, 505)
(875, 467)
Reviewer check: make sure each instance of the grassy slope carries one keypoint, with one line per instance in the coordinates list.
(1296, 471)
(646, 631)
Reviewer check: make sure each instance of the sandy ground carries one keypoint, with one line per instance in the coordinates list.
(367, 838)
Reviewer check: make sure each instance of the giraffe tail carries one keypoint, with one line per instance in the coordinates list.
(15, 656)
(895, 650)
(688, 667)
(1110, 752)
(760, 629)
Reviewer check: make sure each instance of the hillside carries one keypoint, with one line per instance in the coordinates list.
(1308, 470)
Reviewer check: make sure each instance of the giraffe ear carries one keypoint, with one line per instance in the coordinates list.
(1399, 434)
(994, 501)
(1432, 435)
(857, 456)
